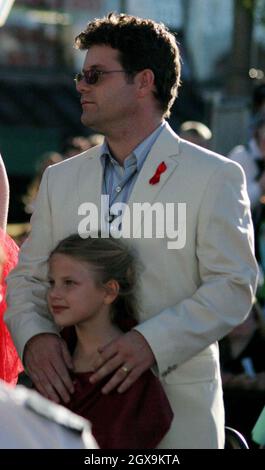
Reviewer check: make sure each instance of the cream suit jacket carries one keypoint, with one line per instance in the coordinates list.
(190, 297)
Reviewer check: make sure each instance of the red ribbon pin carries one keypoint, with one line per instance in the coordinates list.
(160, 169)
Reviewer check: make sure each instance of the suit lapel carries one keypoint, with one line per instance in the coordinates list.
(165, 149)
(90, 176)
(89, 181)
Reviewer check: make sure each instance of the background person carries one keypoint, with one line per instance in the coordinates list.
(196, 132)
(78, 144)
(10, 364)
(242, 355)
(47, 159)
(190, 297)
(252, 157)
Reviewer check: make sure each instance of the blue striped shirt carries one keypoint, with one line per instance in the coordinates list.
(118, 181)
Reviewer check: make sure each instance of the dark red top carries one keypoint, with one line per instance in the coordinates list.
(136, 419)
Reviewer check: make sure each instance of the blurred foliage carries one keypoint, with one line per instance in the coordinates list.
(256, 8)
(249, 4)
(260, 11)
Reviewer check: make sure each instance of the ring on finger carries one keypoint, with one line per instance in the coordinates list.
(125, 369)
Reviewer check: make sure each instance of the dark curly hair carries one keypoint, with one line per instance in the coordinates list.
(111, 259)
(142, 44)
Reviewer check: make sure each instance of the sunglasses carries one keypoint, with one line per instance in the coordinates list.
(91, 77)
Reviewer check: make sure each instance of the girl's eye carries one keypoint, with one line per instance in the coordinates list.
(51, 283)
(69, 282)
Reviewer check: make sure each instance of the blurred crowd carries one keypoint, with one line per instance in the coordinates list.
(242, 352)
(72, 147)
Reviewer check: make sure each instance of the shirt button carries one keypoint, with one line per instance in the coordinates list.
(118, 189)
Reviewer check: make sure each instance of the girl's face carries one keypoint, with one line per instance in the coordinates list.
(73, 295)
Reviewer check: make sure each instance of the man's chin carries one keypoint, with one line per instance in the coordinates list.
(87, 122)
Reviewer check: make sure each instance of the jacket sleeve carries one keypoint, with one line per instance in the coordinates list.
(240, 155)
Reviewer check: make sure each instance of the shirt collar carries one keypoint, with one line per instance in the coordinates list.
(139, 153)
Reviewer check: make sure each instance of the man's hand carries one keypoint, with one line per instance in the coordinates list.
(46, 360)
(129, 355)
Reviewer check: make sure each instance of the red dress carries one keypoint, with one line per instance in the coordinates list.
(10, 364)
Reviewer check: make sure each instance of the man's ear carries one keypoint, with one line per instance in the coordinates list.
(111, 291)
(145, 81)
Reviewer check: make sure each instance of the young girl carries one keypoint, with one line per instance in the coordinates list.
(92, 298)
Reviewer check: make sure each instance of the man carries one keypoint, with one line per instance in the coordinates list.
(191, 296)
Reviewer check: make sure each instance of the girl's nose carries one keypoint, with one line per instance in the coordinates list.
(55, 292)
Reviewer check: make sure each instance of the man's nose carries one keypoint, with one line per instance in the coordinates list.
(82, 86)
